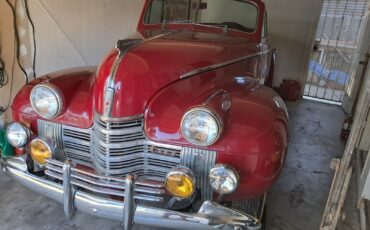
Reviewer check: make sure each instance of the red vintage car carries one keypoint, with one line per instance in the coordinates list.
(177, 128)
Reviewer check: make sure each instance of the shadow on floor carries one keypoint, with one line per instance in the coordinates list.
(297, 201)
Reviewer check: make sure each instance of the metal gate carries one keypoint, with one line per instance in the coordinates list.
(332, 61)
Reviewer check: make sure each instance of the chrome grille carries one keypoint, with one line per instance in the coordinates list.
(52, 131)
(200, 161)
(117, 147)
(76, 144)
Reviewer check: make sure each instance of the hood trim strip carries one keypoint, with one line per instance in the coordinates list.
(223, 64)
(123, 47)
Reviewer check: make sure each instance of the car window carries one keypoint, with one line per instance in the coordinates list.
(233, 14)
(265, 31)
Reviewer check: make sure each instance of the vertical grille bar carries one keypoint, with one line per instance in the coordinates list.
(52, 131)
(200, 161)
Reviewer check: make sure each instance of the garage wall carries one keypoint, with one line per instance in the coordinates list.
(292, 28)
(69, 33)
(79, 32)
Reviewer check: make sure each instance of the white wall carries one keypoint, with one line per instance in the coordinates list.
(292, 27)
(69, 33)
(79, 32)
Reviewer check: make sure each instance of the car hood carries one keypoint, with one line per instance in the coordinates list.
(157, 62)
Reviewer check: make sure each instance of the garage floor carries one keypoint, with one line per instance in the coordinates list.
(297, 201)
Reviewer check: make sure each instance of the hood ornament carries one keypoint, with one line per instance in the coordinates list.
(124, 45)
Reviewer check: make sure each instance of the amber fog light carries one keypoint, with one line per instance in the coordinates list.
(41, 150)
(180, 182)
(223, 179)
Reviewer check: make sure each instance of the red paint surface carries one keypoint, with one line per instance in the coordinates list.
(148, 82)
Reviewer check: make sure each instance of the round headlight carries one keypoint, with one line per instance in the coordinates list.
(201, 126)
(46, 100)
(41, 150)
(223, 179)
(17, 135)
(180, 182)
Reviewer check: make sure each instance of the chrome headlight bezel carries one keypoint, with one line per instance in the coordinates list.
(26, 132)
(59, 99)
(224, 169)
(212, 114)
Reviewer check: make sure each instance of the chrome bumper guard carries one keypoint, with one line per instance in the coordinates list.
(210, 215)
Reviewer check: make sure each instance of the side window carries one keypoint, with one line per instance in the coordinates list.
(154, 14)
(265, 31)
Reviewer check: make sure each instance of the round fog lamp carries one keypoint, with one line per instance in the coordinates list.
(18, 135)
(180, 182)
(223, 179)
(41, 150)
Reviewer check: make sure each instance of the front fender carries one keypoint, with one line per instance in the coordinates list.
(255, 136)
(76, 86)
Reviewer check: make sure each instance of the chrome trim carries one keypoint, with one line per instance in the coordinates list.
(229, 168)
(200, 161)
(119, 147)
(213, 114)
(76, 144)
(52, 131)
(215, 94)
(68, 190)
(223, 64)
(210, 215)
(108, 99)
(182, 170)
(25, 128)
(147, 191)
(118, 119)
(58, 94)
(129, 205)
(123, 47)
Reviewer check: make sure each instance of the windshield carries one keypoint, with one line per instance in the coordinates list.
(230, 14)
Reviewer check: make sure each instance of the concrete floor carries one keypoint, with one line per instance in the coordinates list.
(296, 202)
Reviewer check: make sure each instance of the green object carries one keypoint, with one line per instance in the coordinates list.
(6, 150)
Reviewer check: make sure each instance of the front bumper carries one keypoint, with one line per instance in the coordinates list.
(210, 216)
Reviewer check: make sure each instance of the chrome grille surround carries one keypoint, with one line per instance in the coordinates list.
(117, 147)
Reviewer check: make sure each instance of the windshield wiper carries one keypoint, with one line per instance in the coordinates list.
(226, 27)
(164, 22)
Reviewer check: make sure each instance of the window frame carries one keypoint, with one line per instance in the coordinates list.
(149, 2)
